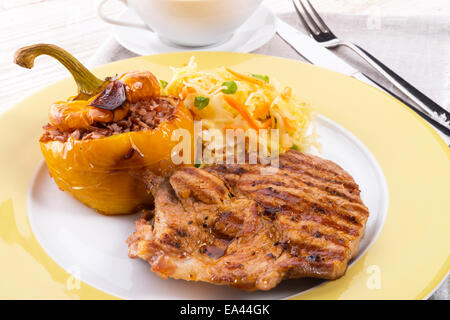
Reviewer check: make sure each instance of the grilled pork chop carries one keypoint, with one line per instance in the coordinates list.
(231, 225)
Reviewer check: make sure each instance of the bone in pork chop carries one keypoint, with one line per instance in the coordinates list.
(231, 225)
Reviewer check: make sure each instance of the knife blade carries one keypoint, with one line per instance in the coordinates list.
(314, 53)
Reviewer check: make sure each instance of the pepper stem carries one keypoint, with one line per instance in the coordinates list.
(88, 84)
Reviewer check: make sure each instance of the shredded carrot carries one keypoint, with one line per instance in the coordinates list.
(288, 124)
(266, 124)
(261, 111)
(243, 112)
(245, 77)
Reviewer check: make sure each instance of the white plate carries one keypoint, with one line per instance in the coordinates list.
(254, 33)
(93, 246)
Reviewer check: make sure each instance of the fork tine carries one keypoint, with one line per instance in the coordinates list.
(319, 19)
(303, 19)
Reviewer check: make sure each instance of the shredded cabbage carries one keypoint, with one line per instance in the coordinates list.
(256, 104)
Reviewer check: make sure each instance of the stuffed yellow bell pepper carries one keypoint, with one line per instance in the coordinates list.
(98, 143)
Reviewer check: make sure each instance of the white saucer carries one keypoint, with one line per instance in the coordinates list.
(254, 33)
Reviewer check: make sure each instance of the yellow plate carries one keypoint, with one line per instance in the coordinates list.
(411, 255)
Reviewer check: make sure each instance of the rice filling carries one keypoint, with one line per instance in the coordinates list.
(143, 115)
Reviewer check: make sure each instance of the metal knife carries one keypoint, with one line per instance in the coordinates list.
(318, 55)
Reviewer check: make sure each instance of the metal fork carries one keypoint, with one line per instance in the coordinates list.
(318, 29)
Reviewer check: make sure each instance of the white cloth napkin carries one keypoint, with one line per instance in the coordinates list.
(417, 48)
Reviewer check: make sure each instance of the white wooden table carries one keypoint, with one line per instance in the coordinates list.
(74, 25)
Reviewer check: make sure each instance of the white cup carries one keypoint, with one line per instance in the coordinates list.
(192, 23)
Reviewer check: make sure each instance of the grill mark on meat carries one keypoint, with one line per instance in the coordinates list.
(206, 188)
(339, 241)
(227, 225)
(212, 251)
(293, 164)
(300, 200)
(218, 185)
(295, 184)
(309, 267)
(296, 180)
(323, 184)
(285, 225)
(292, 174)
(168, 240)
(266, 194)
(314, 233)
(303, 160)
(269, 211)
(181, 233)
(311, 241)
(301, 249)
(235, 169)
(304, 247)
(248, 183)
